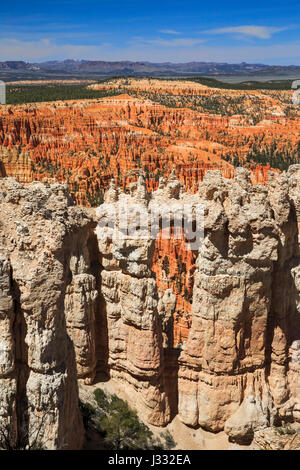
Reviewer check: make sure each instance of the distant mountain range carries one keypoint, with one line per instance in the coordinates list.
(79, 68)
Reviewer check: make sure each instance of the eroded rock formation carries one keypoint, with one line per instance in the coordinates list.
(71, 288)
(43, 264)
(154, 125)
(238, 369)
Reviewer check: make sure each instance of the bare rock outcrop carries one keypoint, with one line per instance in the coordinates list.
(79, 297)
(42, 266)
(129, 289)
(238, 370)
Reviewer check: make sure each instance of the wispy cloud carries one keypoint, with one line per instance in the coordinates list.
(261, 32)
(139, 50)
(45, 49)
(169, 31)
(182, 42)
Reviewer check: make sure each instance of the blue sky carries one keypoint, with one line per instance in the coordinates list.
(157, 31)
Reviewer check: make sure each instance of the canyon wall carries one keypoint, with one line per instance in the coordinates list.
(239, 367)
(151, 125)
(75, 299)
(44, 263)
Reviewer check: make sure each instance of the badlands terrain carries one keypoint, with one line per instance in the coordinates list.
(153, 125)
(208, 337)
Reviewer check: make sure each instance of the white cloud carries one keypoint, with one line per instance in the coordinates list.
(169, 31)
(140, 50)
(182, 42)
(261, 32)
(45, 49)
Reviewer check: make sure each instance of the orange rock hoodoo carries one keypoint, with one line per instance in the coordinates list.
(86, 143)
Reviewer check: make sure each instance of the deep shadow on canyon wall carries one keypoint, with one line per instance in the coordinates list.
(101, 327)
(237, 368)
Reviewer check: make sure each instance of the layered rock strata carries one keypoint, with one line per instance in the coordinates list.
(153, 125)
(87, 142)
(79, 296)
(135, 343)
(44, 268)
(237, 369)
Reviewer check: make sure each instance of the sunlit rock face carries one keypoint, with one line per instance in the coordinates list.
(238, 368)
(156, 126)
(78, 301)
(148, 124)
(43, 263)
